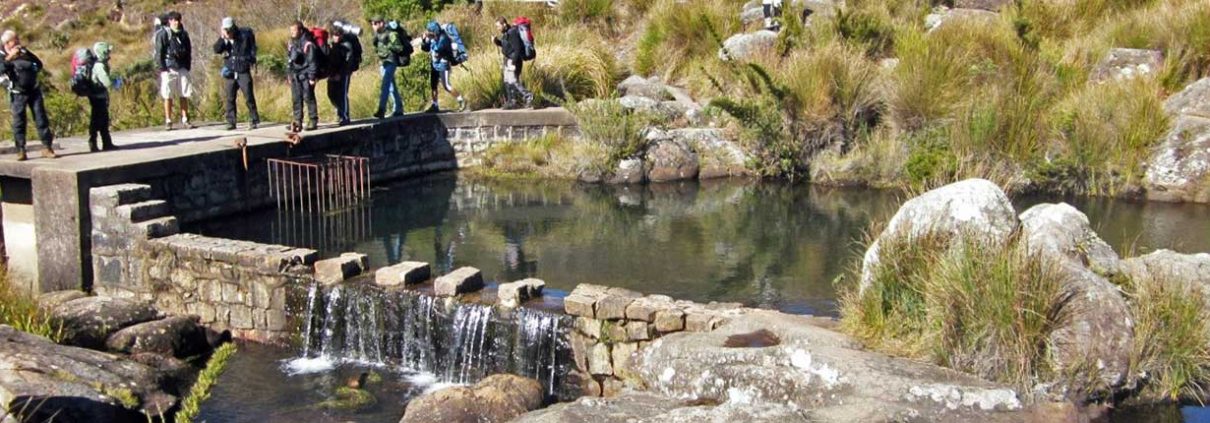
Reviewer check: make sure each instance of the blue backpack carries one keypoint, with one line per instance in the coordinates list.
(459, 47)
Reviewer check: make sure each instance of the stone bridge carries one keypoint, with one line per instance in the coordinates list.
(208, 172)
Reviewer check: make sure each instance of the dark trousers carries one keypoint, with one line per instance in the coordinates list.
(514, 90)
(98, 122)
(34, 102)
(303, 93)
(241, 82)
(338, 94)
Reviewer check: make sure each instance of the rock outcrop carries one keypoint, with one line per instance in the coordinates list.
(742, 47)
(643, 407)
(1127, 63)
(497, 398)
(942, 15)
(1179, 167)
(671, 160)
(42, 381)
(1168, 265)
(88, 322)
(652, 88)
(177, 336)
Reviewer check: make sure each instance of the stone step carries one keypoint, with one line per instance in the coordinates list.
(462, 281)
(406, 273)
(143, 211)
(119, 195)
(159, 227)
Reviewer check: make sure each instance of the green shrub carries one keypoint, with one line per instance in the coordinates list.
(930, 157)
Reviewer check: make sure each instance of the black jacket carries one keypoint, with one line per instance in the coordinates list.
(341, 58)
(511, 45)
(22, 71)
(300, 57)
(173, 50)
(239, 53)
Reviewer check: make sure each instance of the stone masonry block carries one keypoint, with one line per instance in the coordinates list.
(512, 294)
(638, 331)
(339, 269)
(599, 360)
(142, 211)
(406, 273)
(645, 308)
(158, 228)
(615, 331)
(671, 320)
(460, 281)
(111, 196)
(622, 354)
(579, 305)
(613, 306)
(588, 326)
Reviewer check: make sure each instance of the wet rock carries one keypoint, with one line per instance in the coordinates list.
(1179, 167)
(629, 171)
(460, 281)
(49, 381)
(813, 369)
(972, 208)
(406, 273)
(178, 336)
(1127, 63)
(512, 294)
(50, 300)
(497, 398)
(88, 322)
(652, 88)
(742, 47)
(671, 161)
(349, 398)
(1061, 232)
(340, 269)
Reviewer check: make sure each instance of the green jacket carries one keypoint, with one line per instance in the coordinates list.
(388, 46)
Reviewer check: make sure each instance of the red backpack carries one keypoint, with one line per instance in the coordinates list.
(321, 52)
(525, 27)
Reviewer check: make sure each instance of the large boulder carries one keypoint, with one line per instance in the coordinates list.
(671, 160)
(718, 155)
(177, 336)
(767, 358)
(942, 15)
(497, 398)
(88, 322)
(629, 171)
(50, 300)
(1194, 100)
(652, 88)
(1062, 232)
(1168, 265)
(974, 208)
(1179, 168)
(1127, 63)
(43, 381)
(742, 47)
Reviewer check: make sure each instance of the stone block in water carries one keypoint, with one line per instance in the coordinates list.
(406, 273)
(461, 281)
(339, 269)
(512, 294)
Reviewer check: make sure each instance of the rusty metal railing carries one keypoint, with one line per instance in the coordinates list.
(319, 184)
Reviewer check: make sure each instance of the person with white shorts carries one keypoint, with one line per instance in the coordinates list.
(173, 55)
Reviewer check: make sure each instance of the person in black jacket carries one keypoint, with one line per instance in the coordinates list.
(300, 63)
(174, 57)
(21, 68)
(238, 48)
(343, 59)
(513, 50)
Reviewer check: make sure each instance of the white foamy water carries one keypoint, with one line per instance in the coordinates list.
(428, 382)
(306, 365)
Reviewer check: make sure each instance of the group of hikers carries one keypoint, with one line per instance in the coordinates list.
(312, 54)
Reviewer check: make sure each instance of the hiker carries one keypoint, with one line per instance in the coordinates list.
(238, 48)
(344, 57)
(97, 64)
(772, 10)
(21, 68)
(393, 47)
(440, 46)
(513, 50)
(301, 65)
(174, 55)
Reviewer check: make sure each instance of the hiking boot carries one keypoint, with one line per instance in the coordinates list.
(311, 126)
(343, 123)
(187, 125)
(48, 153)
(109, 147)
(92, 146)
(253, 125)
(396, 114)
(230, 126)
(380, 114)
(433, 109)
(461, 104)
(21, 155)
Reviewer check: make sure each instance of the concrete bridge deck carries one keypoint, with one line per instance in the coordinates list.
(201, 172)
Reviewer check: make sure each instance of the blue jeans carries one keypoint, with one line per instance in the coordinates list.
(387, 71)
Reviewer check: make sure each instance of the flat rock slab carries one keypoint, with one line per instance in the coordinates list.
(50, 300)
(512, 294)
(177, 336)
(460, 281)
(643, 407)
(340, 269)
(88, 322)
(406, 273)
(496, 398)
(50, 381)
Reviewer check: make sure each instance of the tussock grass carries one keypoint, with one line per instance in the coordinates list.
(677, 33)
(1171, 338)
(21, 311)
(549, 156)
(983, 309)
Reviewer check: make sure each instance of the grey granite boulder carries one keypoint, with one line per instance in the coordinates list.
(88, 322)
(671, 160)
(496, 398)
(177, 336)
(742, 47)
(1127, 63)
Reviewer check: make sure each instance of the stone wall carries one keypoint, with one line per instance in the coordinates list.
(472, 134)
(245, 287)
(613, 324)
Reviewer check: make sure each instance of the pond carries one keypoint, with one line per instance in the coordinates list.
(764, 244)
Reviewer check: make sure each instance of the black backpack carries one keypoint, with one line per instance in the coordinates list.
(355, 43)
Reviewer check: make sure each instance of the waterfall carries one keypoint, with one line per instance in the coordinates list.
(457, 342)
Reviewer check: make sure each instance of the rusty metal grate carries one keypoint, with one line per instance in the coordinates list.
(319, 184)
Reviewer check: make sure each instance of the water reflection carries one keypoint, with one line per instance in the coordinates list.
(766, 244)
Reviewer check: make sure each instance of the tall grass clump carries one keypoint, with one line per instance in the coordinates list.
(983, 309)
(680, 34)
(200, 392)
(615, 132)
(1171, 338)
(21, 311)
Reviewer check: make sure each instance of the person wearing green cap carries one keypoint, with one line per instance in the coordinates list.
(98, 100)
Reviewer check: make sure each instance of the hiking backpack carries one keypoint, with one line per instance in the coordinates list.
(320, 42)
(404, 57)
(355, 42)
(456, 44)
(81, 83)
(525, 28)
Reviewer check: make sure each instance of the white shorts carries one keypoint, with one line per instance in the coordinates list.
(175, 84)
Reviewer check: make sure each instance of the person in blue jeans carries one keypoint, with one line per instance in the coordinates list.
(392, 45)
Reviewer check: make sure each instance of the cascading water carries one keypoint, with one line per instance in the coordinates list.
(457, 342)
